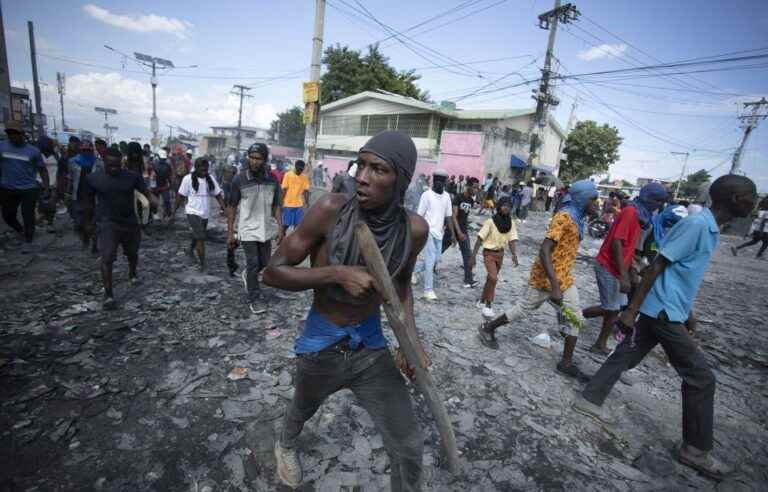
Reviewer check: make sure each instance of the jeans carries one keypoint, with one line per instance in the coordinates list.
(10, 201)
(379, 388)
(466, 255)
(432, 251)
(698, 381)
(256, 257)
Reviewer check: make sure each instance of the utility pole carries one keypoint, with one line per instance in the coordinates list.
(548, 20)
(39, 120)
(170, 132)
(312, 88)
(60, 84)
(107, 128)
(242, 93)
(750, 123)
(568, 128)
(682, 172)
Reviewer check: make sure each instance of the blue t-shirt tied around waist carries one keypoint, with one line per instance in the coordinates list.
(19, 166)
(320, 333)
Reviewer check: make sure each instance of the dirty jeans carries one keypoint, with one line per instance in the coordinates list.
(493, 261)
(257, 255)
(466, 255)
(534, 298)
(432, 251)
(698, 381)
(380, 389)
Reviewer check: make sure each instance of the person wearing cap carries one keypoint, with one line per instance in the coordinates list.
(255, 202)
(111, 193)
(100, 145)
(80, 166)
(435, 206)
(20, 162)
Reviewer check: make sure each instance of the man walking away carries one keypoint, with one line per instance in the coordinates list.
(198, 188)
(435, 206)
(526, 196)
(296, 196)
(342, 345)
(47, 201)
(552, 278)
(20, 162)
(758, 231)
(113, 190)
(613, 263)
(163, 175)
(255, 202)
(497, 232)
(663, 300)
(461, 210)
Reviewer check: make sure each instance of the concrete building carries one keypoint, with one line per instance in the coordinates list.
(222, 140)
(21, 107)
(468, 142)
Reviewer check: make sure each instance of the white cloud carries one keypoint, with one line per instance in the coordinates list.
(132, 99)
(140, 23)
(603, 51)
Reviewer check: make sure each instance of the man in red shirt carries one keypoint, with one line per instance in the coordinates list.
(614, 260)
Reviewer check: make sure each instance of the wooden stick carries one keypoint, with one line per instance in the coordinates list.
(408, 344)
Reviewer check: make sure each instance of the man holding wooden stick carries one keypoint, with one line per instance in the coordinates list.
(342, 345)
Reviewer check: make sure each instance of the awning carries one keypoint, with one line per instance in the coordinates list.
(517, 162)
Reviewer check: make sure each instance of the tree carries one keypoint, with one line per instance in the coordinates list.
(692, 183)
(291, 127)
(349, 72)
(591, 149)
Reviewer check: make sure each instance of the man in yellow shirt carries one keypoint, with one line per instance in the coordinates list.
(295, 195)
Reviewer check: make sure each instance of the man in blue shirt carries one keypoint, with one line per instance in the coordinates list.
(664, 300)
(20, 162)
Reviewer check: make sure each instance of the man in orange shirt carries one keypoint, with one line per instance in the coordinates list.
(295, 196)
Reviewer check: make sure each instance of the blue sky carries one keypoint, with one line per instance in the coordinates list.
(267, 43)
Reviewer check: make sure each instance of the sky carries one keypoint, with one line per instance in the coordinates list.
(468, 53)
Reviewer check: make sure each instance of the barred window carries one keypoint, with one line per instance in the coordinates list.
(413, 125)
(342, 125)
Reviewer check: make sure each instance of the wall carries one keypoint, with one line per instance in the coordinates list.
(461, 153)
(339, 163)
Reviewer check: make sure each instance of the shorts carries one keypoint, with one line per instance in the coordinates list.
(534, 298)
(611, 297)
(113, 234)
(292, 216)
(198, 225)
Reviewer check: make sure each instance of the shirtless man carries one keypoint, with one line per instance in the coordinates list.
(342, 345)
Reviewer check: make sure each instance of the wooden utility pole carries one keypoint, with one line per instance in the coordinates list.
(543, 96)
(682, 172)
(750, 124)
(39, 120)
(312, 88)
(60, 85)
(242, 89)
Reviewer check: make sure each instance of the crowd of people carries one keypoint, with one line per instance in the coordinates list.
(647, 272)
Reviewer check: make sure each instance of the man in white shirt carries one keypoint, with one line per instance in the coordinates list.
(435, 206)
(197, 188)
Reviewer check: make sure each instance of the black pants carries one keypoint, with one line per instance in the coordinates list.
(113, 234)
(379, 388)
(466, 255)
(522, 211)
(698, 386)
(756, 238)
(256, 258)
(10, 201)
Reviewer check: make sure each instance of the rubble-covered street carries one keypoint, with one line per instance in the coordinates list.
(182, 388)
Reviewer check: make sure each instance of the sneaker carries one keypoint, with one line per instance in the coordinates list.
(597, 412)
(471, 285)
(430, 295)
(415, 279)
(488, 312)
(703, 462)
(288, 465)
(734, 251)
(109, 304)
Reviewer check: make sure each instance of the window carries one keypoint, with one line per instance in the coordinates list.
(413, 125)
